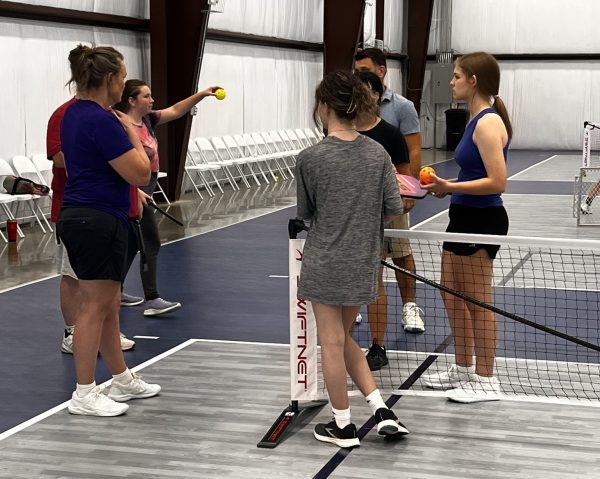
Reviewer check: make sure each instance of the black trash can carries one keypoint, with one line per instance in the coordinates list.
(456, 121)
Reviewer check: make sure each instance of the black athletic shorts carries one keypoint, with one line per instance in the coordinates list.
(492, 220)
(95, 241)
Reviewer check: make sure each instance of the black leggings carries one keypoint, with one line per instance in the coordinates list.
(152, 246)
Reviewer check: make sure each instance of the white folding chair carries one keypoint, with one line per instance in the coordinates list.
(319, 133)
(276, 145)
(236, 153)
(25, 168)
(6, 199)
(311, 136)
(210, 157)
(225, 158)
(302, 137)
(262, 148)
(249, 150)
(295, 141)
(159, 189)
(289, 144)
(194, 164)
(44, 167)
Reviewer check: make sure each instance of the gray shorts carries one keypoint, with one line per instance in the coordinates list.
(397, 247)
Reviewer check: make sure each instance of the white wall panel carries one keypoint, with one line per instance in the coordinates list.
(267, 89)
(35, 70)
(393, 25)
(291, 19)
(531, 26)
(128, 8)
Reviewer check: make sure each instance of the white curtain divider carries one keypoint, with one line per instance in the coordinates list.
(291, 19)
(531, 26)
(128, 8)
(393, 24)
(35, 71)
(267, 89)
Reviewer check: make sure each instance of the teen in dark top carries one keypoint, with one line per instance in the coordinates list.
(372, 125)
(476, 207)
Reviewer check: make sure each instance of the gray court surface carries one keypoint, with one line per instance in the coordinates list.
(559, 167)
(219, 399)
(540, 215)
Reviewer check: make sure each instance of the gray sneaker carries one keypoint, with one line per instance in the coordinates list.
(128, 300)
(157, 306)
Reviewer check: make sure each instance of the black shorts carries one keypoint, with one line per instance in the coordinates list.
(95, 241)
(492, 220)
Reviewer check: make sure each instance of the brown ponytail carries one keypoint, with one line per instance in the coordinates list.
(487, 71)
(90, 65)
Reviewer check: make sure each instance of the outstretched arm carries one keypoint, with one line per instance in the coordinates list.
(181, 108)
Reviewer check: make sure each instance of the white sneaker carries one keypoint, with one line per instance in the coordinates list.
(411, 318)
(137, 388)
(585, 208)
(66, 346)
(453, 378)
(126, 344)
(479, 389)
(358, 319)
(95, 403)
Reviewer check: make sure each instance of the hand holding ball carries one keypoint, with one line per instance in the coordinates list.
(425, 175)
(220, 94)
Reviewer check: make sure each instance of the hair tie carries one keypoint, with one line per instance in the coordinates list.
(352, 107)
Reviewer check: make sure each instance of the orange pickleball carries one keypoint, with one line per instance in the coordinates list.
(425, 175)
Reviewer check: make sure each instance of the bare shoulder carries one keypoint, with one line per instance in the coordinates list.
(490, 126)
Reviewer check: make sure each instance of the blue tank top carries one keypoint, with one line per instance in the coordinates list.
(472, 168)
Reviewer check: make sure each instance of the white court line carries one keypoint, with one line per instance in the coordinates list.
(278, 276)
(503, 194)
(146, 337)
(531, 167)
(45, 278)
(40, 417)
(504, 397)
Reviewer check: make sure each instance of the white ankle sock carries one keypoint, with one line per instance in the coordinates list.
(342, 417)
(83, 390)
(124, 378)
(70, 329)
(375, 401)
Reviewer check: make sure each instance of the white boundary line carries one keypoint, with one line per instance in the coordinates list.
(45, 278)
(505, 397)
(531, 167)
(408, 392)
(40, 417)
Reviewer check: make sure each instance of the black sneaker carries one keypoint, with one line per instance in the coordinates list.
(376, 357)
(330, 432)
(388, 424)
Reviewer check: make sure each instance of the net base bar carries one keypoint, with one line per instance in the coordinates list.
(286, 420)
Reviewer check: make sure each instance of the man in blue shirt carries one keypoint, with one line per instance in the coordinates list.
(394, 109)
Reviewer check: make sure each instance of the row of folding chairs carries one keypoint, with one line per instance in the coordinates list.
(259, 157)
(38, 169)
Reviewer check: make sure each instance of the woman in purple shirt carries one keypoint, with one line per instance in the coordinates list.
(103, 156)
(476, 207)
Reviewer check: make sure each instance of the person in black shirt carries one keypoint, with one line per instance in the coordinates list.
(399, 250)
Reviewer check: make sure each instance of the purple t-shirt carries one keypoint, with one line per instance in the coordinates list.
(91, 137)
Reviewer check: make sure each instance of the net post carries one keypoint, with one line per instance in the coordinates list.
(303, 351)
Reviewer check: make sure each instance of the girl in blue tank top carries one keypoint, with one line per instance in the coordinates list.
(476, 207)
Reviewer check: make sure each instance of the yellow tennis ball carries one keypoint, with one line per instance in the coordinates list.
(220, 94)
